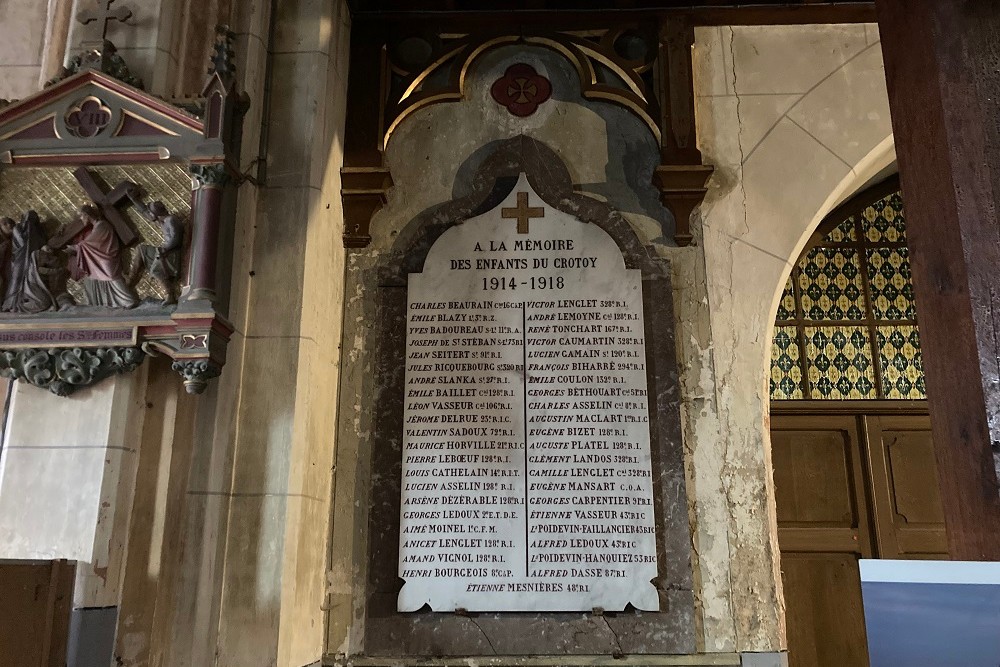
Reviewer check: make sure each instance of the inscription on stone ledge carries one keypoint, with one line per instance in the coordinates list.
(526, 458)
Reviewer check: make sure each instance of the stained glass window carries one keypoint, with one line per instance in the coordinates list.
(846, 327)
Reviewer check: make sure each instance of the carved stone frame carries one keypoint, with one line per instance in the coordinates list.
(388, 633)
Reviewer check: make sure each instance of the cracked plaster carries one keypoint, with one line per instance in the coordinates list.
(795, 118)
(785, 155)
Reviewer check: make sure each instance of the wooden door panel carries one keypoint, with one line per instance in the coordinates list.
(850, 483)
(818, 484)
(34, 615)
(909, 516)
(913, 476)
(826, 621)
(823, 529)
(812, 478)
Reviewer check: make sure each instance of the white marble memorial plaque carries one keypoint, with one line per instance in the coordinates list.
(527, 480)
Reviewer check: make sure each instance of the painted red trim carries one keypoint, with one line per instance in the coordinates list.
(64, 87)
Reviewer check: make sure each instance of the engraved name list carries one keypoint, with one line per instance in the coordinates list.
(526, 475)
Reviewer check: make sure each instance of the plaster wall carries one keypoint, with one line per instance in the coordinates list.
(795, 119)
(32, 45)
(67, 475)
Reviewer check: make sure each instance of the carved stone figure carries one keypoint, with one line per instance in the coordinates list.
(6, 234)
(162, 262)
(52, 267)
(96, 262)
(25, 291)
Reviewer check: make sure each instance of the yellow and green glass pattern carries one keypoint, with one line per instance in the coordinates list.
(844, 232)
(889, 277)
(883, 221)
(831, 285)
(786, 366)
(786, 307)
(854, 287)
(902, 365)
(839, 364)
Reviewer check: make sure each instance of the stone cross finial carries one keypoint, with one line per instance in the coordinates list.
(101, 11)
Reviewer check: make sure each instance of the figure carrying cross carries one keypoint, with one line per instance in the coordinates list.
(101, 11)
(522, 212)
(107, 203)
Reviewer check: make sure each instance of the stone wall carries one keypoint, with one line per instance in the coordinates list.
(795, 119)
(227, 511)
(217, 543)
(33, 45)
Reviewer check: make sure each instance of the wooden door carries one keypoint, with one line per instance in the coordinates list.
(823, 530)
(855, 482)
(909, 519)
(34, 616)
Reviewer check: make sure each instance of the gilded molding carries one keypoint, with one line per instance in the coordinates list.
(588, 57)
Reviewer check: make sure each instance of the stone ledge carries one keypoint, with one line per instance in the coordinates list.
(700, 660)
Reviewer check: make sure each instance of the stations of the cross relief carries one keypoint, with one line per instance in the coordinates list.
(526, 458)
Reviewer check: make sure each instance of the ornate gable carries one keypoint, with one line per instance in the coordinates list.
(93, 118)
(112, 207)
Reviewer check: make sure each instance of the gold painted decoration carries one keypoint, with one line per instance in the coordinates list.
(786, 365)
(831, 285)
(57, 196)
(902, 363)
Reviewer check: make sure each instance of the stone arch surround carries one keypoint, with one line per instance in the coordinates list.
(434, 157)
(790, 117)
(795, 119)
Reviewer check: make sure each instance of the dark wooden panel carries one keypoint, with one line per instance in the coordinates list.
(819, 483)
(826, 623)
(479, 14)
(812, 478)
(904, 487)
(818, 408)
(34, 616)
(819, 539)
(913, 476)
(943, 83)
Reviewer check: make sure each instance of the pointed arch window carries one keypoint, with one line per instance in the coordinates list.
(846, 327)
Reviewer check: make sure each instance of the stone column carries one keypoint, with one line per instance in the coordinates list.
(152, 574)
(255, 527)
(33, 45)
(193, 636)
(940, 63)
(67, 476)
